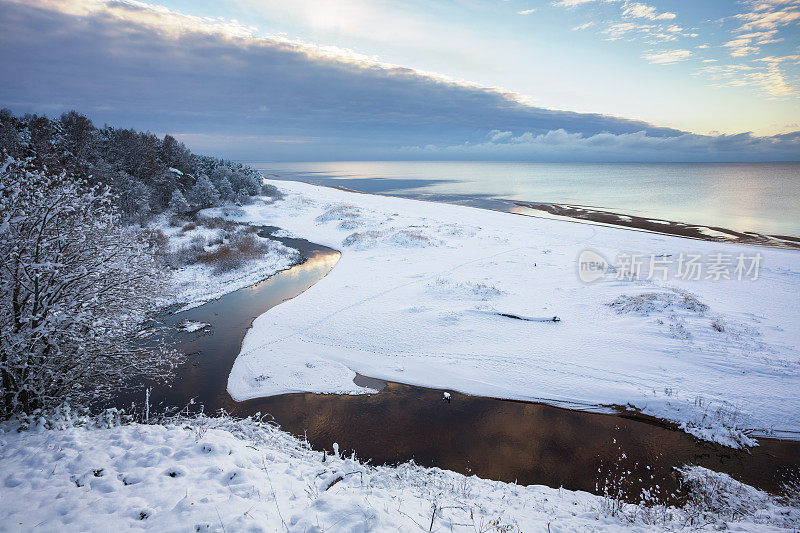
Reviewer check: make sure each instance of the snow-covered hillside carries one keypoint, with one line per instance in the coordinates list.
(215, 474)
(421, 289)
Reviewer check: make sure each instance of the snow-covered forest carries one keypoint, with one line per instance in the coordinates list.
(146, 174)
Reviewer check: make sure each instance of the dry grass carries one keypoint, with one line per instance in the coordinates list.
(650, 302)
(242, 246)
(231, 247)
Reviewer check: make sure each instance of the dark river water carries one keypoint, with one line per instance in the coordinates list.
(529, 443)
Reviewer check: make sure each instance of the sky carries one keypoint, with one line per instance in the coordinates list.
(550, 80)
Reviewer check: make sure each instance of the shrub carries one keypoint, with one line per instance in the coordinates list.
(74, 285)
(272, 191)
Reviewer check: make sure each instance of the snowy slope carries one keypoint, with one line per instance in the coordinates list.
(221, 475)
(408, 302)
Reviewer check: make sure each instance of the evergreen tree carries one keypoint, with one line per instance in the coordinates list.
(132, 197)
(204, 194)
(225, 189)
(143, 170)
(178, 202)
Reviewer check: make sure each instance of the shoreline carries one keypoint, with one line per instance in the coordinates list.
(303, 247)
(616, 410)
(596, 216)
(672, 228)
(533, 429)
(210, 464)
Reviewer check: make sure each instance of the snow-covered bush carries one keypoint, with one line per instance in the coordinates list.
(717, 498)
(658, 302)
(73, 285)
(272, 191)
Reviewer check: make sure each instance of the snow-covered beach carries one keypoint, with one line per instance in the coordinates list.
(476, 301)
(470, 300)
(418, 295)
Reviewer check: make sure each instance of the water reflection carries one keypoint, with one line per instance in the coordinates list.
(203, 378)
(760, 197)
(514, 441)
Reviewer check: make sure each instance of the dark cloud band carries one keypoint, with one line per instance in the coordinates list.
(260, 98)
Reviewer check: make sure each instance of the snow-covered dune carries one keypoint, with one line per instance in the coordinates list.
(420, 290)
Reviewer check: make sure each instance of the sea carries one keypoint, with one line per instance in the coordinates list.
(755, 197)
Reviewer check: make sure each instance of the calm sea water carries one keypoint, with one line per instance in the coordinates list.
(759, 197)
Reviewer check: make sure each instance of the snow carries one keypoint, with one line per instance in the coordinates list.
(282, 233)
(190, 326)
(215, 474)
(198, 283)
(418, 294)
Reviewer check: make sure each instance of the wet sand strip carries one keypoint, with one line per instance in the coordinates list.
(665, 227)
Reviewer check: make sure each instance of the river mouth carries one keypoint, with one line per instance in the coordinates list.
(512, 441)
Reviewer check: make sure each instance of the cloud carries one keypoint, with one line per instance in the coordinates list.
(572, 3)
(768, 20)
(583, 26)
(526, 12)
(638, 10)
(668, 57)
(780, 59)
(133, 65)
(227, 90)
(761, 23)
(765, 74)
(650, 34)
(746, 44)
(616, 31)
(559, 145)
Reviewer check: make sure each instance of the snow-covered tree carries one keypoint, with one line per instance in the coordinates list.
(176, 155)
(242, 197)
(239, 177)
(178, 203)
(225, 190)
(204, 194)
(132, 196)
(74, 283)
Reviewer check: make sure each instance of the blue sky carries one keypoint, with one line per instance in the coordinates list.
(460, 79)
